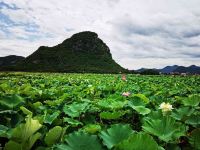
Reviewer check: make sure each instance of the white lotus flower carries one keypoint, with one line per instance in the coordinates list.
(165, 107)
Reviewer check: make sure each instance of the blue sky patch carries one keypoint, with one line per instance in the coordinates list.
(7, 6)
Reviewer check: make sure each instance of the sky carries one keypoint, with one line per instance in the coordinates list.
(139, 33)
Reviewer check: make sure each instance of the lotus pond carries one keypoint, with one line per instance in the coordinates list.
(99, 112)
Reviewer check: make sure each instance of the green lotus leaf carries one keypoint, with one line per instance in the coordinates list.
(115, 135)
(26, 111)
(75, 109)
(182, 113)
(195, 138)
(81, 141)
(193, 120)
(154, 115)
(142, 97)
(28, 90)
(112, 104)
(138, 106)
(12, 145)
(192, 100)
(72, 122)
(136, 102)
(32, 140)
(26, 134)
(172, 146)
(44, 148)
(49, 118)
(36, 105)
(11, 101)
(166, 128)
(139, 141)
(3, 131)
(92, 128)
(5, 87)
(141, 110)
(25, 131)
(53, 136)
(62, 147)
(112, 115)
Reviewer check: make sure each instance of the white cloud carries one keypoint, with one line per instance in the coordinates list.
(140, 33)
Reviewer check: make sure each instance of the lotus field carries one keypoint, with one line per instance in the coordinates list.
(42, 111)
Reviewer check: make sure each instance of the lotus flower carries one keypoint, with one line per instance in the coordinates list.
(126, 94)
(165, 107)
(124, 77)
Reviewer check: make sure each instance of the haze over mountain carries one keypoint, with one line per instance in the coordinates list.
(83, 52)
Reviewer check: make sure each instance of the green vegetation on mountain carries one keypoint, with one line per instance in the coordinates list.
(9, 61)
(149, 72)
(83, 52)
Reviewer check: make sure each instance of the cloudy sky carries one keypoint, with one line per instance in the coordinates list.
(140, 33)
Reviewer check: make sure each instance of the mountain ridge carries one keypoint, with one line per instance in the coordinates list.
(192, 69)
(10, 60)
(82, 52)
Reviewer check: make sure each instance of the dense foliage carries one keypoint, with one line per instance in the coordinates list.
(9, 60)
(99, 112)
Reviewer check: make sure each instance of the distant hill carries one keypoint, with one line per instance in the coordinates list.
(147, 71)
(144, 69)
(10, 60)
(191, 69)
(83, 52)
(174, 69)
(141, 69)
(169, 69)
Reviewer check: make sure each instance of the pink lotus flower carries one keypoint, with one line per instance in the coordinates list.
(124, 77)
(126, 94)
